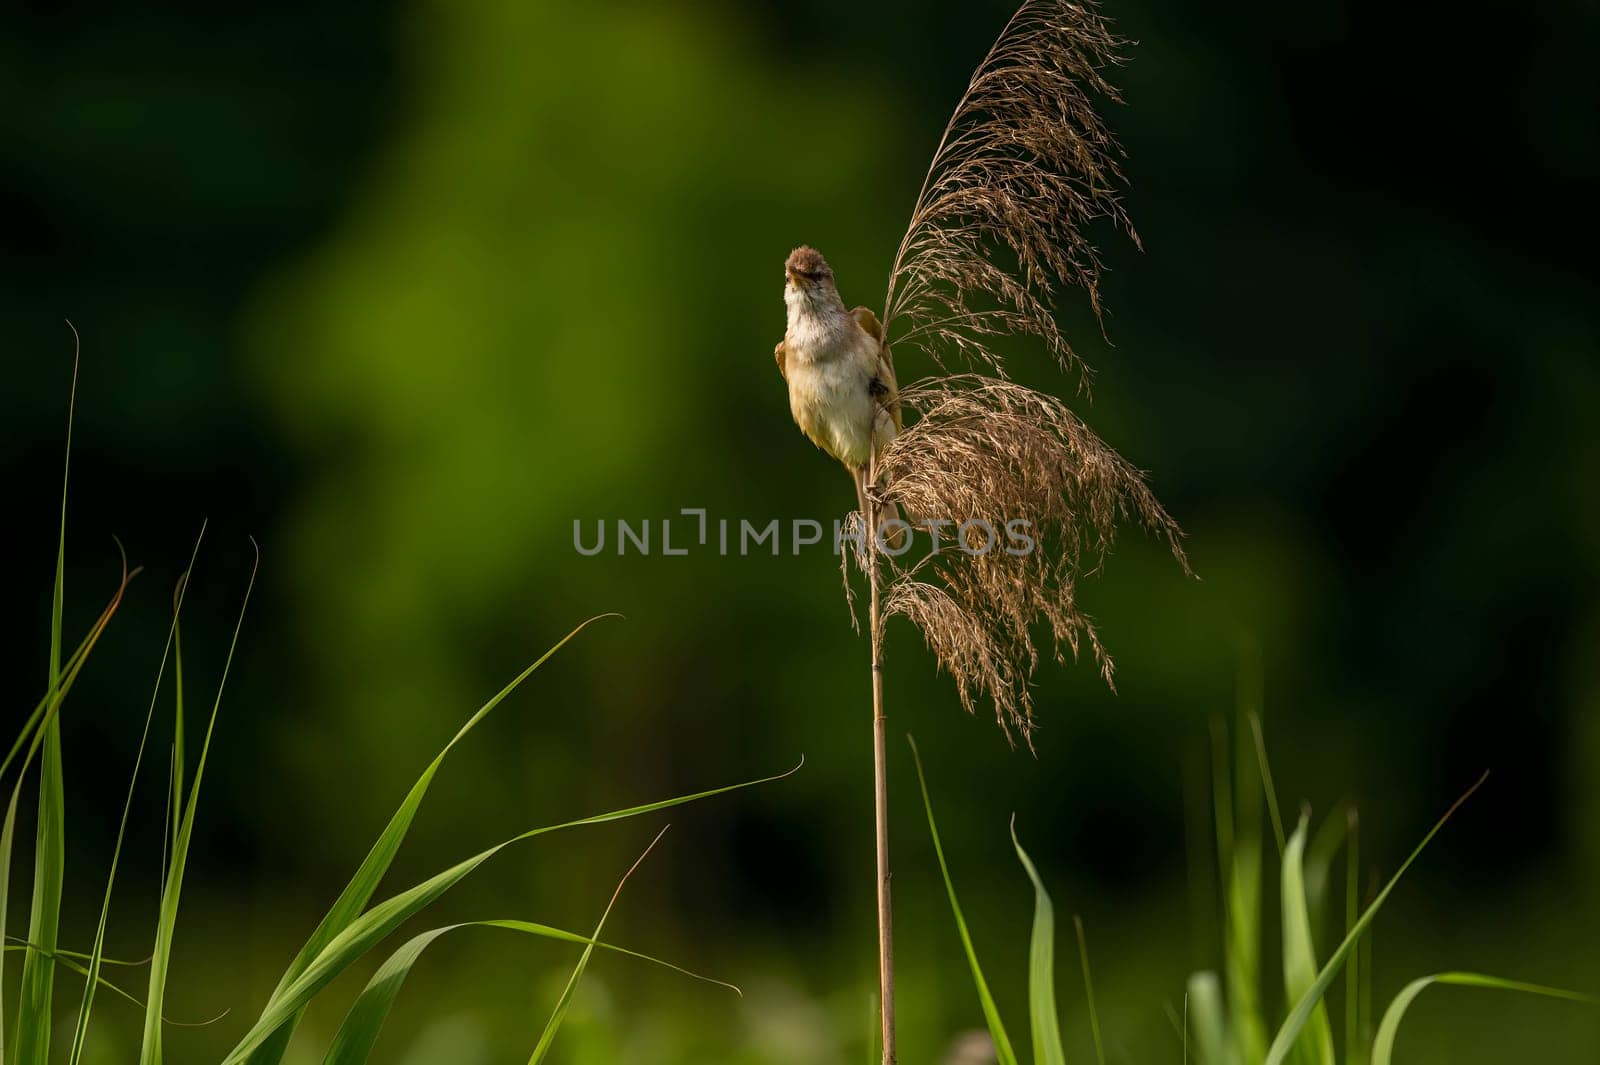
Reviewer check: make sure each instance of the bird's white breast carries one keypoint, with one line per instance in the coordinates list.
(830, 371)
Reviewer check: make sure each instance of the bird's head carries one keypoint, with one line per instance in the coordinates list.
(808, 272)
(806, 268)
(809, 286)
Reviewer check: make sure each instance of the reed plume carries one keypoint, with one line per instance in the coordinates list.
(1024, 166)
(985, 452)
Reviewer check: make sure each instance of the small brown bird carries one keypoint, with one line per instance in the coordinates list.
(842, 388)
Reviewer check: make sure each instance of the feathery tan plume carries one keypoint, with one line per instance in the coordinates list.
(1024, 165)
(990, 451)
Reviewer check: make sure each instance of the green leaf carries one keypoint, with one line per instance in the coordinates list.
(1088, 992)
(32, 734)
(1315, 1047)
(172, 888)
(1208, 1018)
(358, 892)
(356, 1036)
(362, 1025)
(1296, 1021)
(361, 934)
(1042, 1016)
(51, 701)
(97, 953)
(77, 961)
(49, 856)
(991, 1014)
(559, 1014)
(1322, 848)
(1238, 814)
(1383, 1045)
(1266, 779)
(1355, 1051)
(175, 799)
(7, 837)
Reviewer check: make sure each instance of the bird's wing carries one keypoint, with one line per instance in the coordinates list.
(779, 353)
(869, 322)
(885, 376)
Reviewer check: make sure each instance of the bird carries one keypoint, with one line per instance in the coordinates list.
(842, 388)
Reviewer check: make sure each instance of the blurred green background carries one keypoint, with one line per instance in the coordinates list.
(405, 289)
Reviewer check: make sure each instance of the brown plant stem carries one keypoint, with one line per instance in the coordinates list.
(880, 777)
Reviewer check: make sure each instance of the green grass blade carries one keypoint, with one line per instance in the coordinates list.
(1364, 952)
(172, 890)
(1383, 1045)
(1301, 1013)
(63, 955)
(49, 706)
(1322, 848)
(33, 735)
(49, 856)
(78, 962)
(7, 837)
(1088, 991)
(545, 931)
(1315, 1046)
(1221, 800)
(356, 1036)
(97, 953)
(359, 1032)
(376, 923)
(168, 836)
(358, 892)
(49, 869)
(50, 702)
(1267, 787)
(357, 938)
(58, 596)
(1243, 948)
(559, 1014)
(175, 800)
(1355, 1049)
(1208, 1018)
(991, 1014)
(1241, 889)
(1042, 1018)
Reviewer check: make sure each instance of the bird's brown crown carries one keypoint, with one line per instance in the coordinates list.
(808, 263)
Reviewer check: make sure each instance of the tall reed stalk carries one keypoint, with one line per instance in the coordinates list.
(880, 785)
(1023, 167)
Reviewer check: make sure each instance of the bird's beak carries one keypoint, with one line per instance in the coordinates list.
(794, 278)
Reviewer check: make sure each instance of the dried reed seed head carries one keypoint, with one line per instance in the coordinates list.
(851, 533)
(1025, 165)
(984, 449)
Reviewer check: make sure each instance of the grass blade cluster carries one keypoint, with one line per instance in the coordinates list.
(1042, 1020)
(991, 1013)
(351, 926)
(1383, 1045)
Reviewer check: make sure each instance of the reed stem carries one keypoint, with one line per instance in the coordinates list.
(880, 778)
